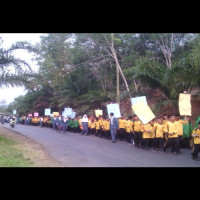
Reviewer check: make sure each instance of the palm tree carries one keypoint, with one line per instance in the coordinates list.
(14, 71)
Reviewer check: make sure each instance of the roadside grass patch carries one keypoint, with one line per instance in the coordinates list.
(11, 156)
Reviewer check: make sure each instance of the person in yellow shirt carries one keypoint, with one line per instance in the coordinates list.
(129, 129)
(180, 123)
(196, 135)
(103, 130)
(172, 129)
(92, 126)
(159, 129)
(121, 130)
(147, 129)
(97, 126)
(165, 118)
(89, 125)
(107, 128)
(137, 131)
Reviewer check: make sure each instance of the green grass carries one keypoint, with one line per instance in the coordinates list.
(11, 156)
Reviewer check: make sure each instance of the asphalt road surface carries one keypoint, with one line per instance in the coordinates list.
(76, 150)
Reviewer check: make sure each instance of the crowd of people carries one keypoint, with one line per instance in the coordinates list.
(157, 135)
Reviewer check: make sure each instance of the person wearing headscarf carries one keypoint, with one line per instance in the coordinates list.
(64, 124)
(84, 123)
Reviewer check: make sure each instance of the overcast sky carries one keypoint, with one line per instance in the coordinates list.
(8, 39)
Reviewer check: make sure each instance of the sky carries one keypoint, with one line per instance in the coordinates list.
(8, 39)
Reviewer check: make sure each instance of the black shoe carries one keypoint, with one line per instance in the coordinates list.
(113, 141)
(197, 159)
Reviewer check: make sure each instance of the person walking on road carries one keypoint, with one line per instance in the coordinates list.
(196, 136)
(114, 125)
(84, 123)
(64, 124)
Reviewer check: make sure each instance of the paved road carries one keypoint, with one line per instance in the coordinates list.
(75, 150)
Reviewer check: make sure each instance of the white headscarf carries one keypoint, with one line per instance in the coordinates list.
(84, 119)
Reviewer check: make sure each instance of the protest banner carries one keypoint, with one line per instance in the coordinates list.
(185, 104)
(30, 115)
(73, 115)
(98, 112)
(143, 111)
(47, 111)
(36, 114)
(114, 108)
(68, 111)
(55, 114)
(14, 112)
(137, 99)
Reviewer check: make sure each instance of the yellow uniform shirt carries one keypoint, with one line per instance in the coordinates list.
(92, 125)
(196, 139)
(129, 126)
(45, 119)
(97, 125)
(180, 126)
(159, 130)
(107, 125)
(170, 128)
(147, 129)
(103, 126)
(89, 123)
(100, 122)
(137, 126)
(122, 123)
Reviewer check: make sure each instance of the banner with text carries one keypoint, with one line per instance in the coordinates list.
(114, 108)
(47, 112)
(143, 111)
(185, 104)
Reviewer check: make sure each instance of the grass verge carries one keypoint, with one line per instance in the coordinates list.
(11, 156)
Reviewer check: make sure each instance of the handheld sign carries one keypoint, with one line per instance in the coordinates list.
(184, 104)
(14, 112)
(73, 115)
(137, 99)
(68, 111)
(47, 111)
(98, 112)
(114, 108)
(36, 114)
(55, 113)
(143, 111)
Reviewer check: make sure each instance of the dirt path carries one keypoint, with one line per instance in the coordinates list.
(30, 149)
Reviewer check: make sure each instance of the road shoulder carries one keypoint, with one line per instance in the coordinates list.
(31, 149)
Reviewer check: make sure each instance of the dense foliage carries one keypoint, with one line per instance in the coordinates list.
(79, 70)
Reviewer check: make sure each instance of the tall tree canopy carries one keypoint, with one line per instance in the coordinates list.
(87, 70)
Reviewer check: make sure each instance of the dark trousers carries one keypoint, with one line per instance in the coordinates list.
(92, 131)
(121, 133)
(180, 137)
(185, 143)
(196, 150)
(137, 138)
(102, 133)
(108, 136)
(145, 143)
(173, 142)
(97, 132)
(158, 143)
(128, 137)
